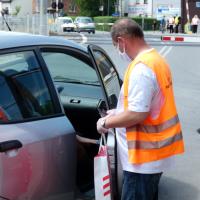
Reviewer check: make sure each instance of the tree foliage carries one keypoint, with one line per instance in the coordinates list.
(17, 10)
(91, 7)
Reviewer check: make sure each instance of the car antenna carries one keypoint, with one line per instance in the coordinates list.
(2, 13)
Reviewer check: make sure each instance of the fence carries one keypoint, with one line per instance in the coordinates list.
(45, 25)
(28, 24)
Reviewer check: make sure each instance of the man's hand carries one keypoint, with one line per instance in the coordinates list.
(110, 112)
(101, 125)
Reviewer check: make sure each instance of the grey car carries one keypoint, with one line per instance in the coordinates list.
(51, 90)
(84, 24)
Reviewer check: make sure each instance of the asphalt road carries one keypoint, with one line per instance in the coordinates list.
(183, 181)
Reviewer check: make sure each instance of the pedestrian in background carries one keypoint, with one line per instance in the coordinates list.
(176, 22)
(163, 24)
(148, 130)
(195, 21)
(171, 24)
(154, 25)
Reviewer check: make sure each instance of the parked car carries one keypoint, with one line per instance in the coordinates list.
(65, 24)
(50, 90)
(84, 24)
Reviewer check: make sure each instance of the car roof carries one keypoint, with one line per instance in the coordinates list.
(16, 39)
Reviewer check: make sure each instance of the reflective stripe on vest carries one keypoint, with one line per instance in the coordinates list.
(154, 145)
(155, 128)
(154, 139)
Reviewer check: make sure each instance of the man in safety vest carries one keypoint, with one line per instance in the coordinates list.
(147, 126)
(176, 21)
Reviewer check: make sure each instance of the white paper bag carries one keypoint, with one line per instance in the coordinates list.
(102, 179)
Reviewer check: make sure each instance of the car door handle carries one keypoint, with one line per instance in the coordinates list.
(76, 101)
(10, 145)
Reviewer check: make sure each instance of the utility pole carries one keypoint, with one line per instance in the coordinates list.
(57, 9)
(121, 8)
(187, 10)
(41, 16)
(108, 7)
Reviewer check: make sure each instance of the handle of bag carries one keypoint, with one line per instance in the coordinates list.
(102, 140)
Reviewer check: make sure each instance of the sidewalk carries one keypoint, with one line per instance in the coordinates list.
(173, 37)
(157, 33)
(172, 34)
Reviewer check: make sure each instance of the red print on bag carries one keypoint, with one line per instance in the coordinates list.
(106, 185)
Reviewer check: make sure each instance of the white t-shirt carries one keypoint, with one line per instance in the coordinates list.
(144, 95)
(195, 21)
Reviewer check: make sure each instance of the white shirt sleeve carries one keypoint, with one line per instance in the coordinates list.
(142, 88)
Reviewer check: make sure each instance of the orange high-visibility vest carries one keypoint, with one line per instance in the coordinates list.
(160, 138)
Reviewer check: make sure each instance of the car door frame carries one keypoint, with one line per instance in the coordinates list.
(49, 84)
(91, 48)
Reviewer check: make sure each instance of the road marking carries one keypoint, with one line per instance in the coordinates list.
(84, 38)
(167, 51)
(162, 50)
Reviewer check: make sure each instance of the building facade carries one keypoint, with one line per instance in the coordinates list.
(152, 8)
(33, 6)
(189, 9)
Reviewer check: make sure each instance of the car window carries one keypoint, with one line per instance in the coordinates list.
(109, 76)
(23, 90)
(67, 21)
(67, 68)
(86, 20)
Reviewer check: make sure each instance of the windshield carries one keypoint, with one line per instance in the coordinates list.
(86, 20)
(67, 21)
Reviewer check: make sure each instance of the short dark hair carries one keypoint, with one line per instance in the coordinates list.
(128, 27)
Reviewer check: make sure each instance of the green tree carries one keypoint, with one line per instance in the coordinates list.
(91, 7)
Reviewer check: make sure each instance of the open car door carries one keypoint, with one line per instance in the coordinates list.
(110, 81)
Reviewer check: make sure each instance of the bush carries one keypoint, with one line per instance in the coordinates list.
(148, 22)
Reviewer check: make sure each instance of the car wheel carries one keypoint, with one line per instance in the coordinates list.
(93, 32)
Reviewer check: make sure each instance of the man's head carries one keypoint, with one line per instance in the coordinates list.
(127, 36)
(126, 27)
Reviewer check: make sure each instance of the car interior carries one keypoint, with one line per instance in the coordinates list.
(82, 109)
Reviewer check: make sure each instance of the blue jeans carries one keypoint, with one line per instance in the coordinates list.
(140, 186)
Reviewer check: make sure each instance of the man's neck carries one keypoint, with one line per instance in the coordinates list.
(140, 47)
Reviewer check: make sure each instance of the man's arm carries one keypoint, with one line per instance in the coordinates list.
(141, 91)
(125, 119)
